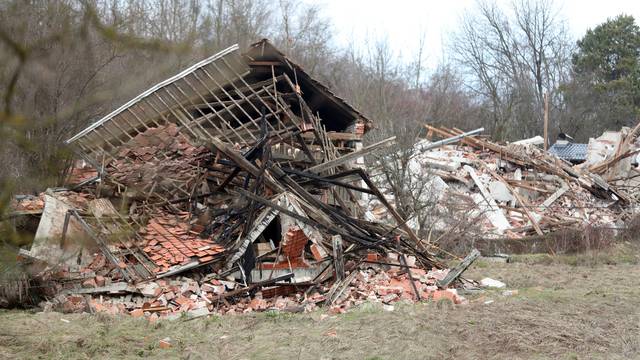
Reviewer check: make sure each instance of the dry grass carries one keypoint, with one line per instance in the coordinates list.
(561, 311)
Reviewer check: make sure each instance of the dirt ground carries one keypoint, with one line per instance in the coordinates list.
(565, 308)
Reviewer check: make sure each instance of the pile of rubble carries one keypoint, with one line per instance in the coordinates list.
(517, 190)
(194, 296)
(230, 187)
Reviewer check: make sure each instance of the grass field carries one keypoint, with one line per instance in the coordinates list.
(580, 307)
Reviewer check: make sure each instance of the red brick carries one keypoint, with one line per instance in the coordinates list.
(443, 294)
(89, 283)
(165, 343)
(316, 252)
(181, 300)
(258, 304)
(294, 244)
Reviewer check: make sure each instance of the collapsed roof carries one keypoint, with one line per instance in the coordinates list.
(222, 96)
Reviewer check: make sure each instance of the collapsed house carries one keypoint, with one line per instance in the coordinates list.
(237, 186)
(519, 191)
(230, 187)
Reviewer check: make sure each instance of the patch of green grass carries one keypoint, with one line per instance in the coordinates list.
(543, 295)
(481, 264)
(575, 311)
(212, 319)
(537, 259)
(277, 315)
(362, 310)
(616, 255)
(571, 356)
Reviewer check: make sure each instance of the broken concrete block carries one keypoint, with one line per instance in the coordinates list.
(47, 243)
(500, 192)
(203, 311)
(149, 289)
(489, 282)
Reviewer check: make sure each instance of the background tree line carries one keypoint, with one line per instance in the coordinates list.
(67, 62)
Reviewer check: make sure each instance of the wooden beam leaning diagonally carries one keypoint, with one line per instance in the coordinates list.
(457, 270)
(495, 215)
(556, 195)
(244, 163)
(402, 223)
(523, 203)
(352, 156)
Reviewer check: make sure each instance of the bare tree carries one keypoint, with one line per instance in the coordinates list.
(511, 59)
(304, 34)
(227, 22)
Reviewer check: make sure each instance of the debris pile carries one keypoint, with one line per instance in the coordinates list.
(194, 296)
(230, 187)
(518, 189)
(156, 159)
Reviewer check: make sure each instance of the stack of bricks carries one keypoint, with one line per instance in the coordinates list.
(292, 253)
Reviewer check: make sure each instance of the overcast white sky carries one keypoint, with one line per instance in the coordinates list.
(402, 21)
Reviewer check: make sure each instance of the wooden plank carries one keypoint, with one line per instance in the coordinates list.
(338, 259)
(265, 63)
(253, 286)
(402, 223)
(457, 270)
(403, 261)
(354, 155)
(245, 164)
(497, 217)
(556, 195)
(114, 288)
(526, 185)
(523, 203)
(338, 288)
(334, 135)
